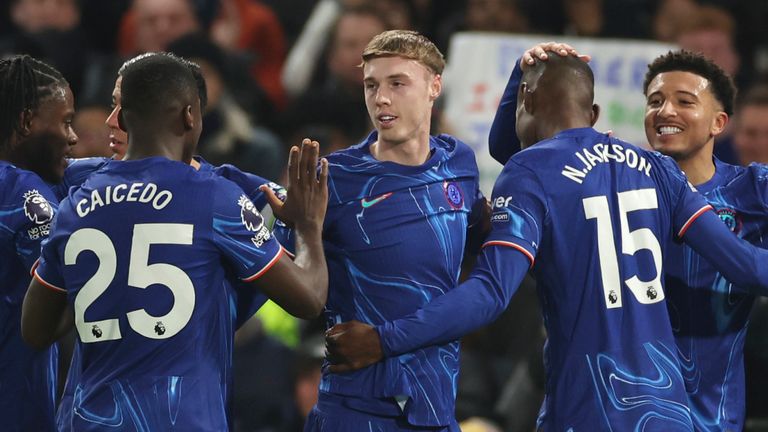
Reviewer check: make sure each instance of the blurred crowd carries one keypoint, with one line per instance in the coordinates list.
(280, 70)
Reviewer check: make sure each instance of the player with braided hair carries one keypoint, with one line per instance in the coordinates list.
(36, 110)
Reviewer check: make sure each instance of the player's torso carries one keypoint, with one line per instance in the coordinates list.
(146, 286)
(709, 318)
(28, 376)
(610, 355)
(394, 239)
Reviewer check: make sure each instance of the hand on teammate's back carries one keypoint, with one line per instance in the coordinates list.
(307, 189)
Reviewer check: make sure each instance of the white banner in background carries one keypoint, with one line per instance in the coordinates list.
(480, 64)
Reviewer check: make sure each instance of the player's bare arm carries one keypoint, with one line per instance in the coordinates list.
(44, 315)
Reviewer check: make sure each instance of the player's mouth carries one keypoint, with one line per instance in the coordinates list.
(114, 142)
(667, 130)
(386, 120)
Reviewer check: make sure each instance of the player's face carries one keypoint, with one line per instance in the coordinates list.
(524, 120)
(51, 135)
(399, 94)
(682, 116)
(118, 138)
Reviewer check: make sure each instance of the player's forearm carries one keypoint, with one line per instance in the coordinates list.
(742, 264)
(502, 139)
(310, 258)
(43, 316)
(473, 304)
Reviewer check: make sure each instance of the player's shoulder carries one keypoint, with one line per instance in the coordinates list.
(83, 167)
(17, 182)
(247, 181)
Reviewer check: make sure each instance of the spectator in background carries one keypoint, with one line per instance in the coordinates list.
(243, 26)
(670, 16)
(229, 134)
(709, 31)
(50, 30)
(336, 104)
(484, 16)
(89, 124)
(750, 131)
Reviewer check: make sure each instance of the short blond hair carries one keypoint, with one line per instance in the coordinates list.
(407, 44)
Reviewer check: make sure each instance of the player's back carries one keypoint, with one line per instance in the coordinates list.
(609, 209)
(142, 247)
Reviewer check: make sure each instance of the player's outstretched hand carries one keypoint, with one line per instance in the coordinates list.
(307, 190)
(539, 52)
(352, 345)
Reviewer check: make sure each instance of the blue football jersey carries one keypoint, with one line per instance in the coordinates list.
(27, 376)
(78, 170)
(596, 215)
(394, 238)
(709, 318)
(142, 250)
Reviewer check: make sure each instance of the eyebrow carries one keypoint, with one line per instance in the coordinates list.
(390, 77)
(685, 92)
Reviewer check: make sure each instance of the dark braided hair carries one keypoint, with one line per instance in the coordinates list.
(24, 82)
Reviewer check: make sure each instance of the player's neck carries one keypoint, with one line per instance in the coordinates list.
(153, 148)
(698, 167)
(413, 152)
(550, 129)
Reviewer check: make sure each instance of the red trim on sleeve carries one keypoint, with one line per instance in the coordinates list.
(266, 267)
(34, 267)
(513, 246)
(51, 287)
(691, 219)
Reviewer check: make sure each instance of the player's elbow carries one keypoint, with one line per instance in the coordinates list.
(33, 337)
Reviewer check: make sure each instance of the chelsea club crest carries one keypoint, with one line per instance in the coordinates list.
(453, 194)
(730, 218)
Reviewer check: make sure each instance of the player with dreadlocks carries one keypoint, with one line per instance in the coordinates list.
(36, 110)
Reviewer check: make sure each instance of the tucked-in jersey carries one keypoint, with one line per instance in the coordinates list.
(27, 376)
(596, 214)
(394, 238)
(709, 317)
(142, 250)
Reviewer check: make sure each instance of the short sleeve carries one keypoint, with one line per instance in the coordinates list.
(240, 233)
(687, 204)
(34, 211)
(518, 210)
(49, 269)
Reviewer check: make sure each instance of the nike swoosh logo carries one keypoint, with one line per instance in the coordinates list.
(374, 201)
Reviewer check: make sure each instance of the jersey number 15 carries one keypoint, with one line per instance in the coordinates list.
(646, 292)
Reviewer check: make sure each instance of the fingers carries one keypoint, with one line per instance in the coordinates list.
(274, 202)
(539, 52)
(293, 166)
(323, 176)
(309, 155)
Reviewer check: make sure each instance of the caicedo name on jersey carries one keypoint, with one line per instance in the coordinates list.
(143, 193)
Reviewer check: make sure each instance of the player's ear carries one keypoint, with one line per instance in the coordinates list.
(527, 93)
(719, 123)
(25, 121)
(189, 119)
(436, 87)
(595, 114)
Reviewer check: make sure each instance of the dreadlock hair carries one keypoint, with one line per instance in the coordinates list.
(24, 83)
(686, 61)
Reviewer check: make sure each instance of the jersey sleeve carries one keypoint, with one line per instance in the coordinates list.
(32, 218)
(240, 233)
(476, 302)
(686, 203)
(49, 268)
(518, 210)
(502, 138)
